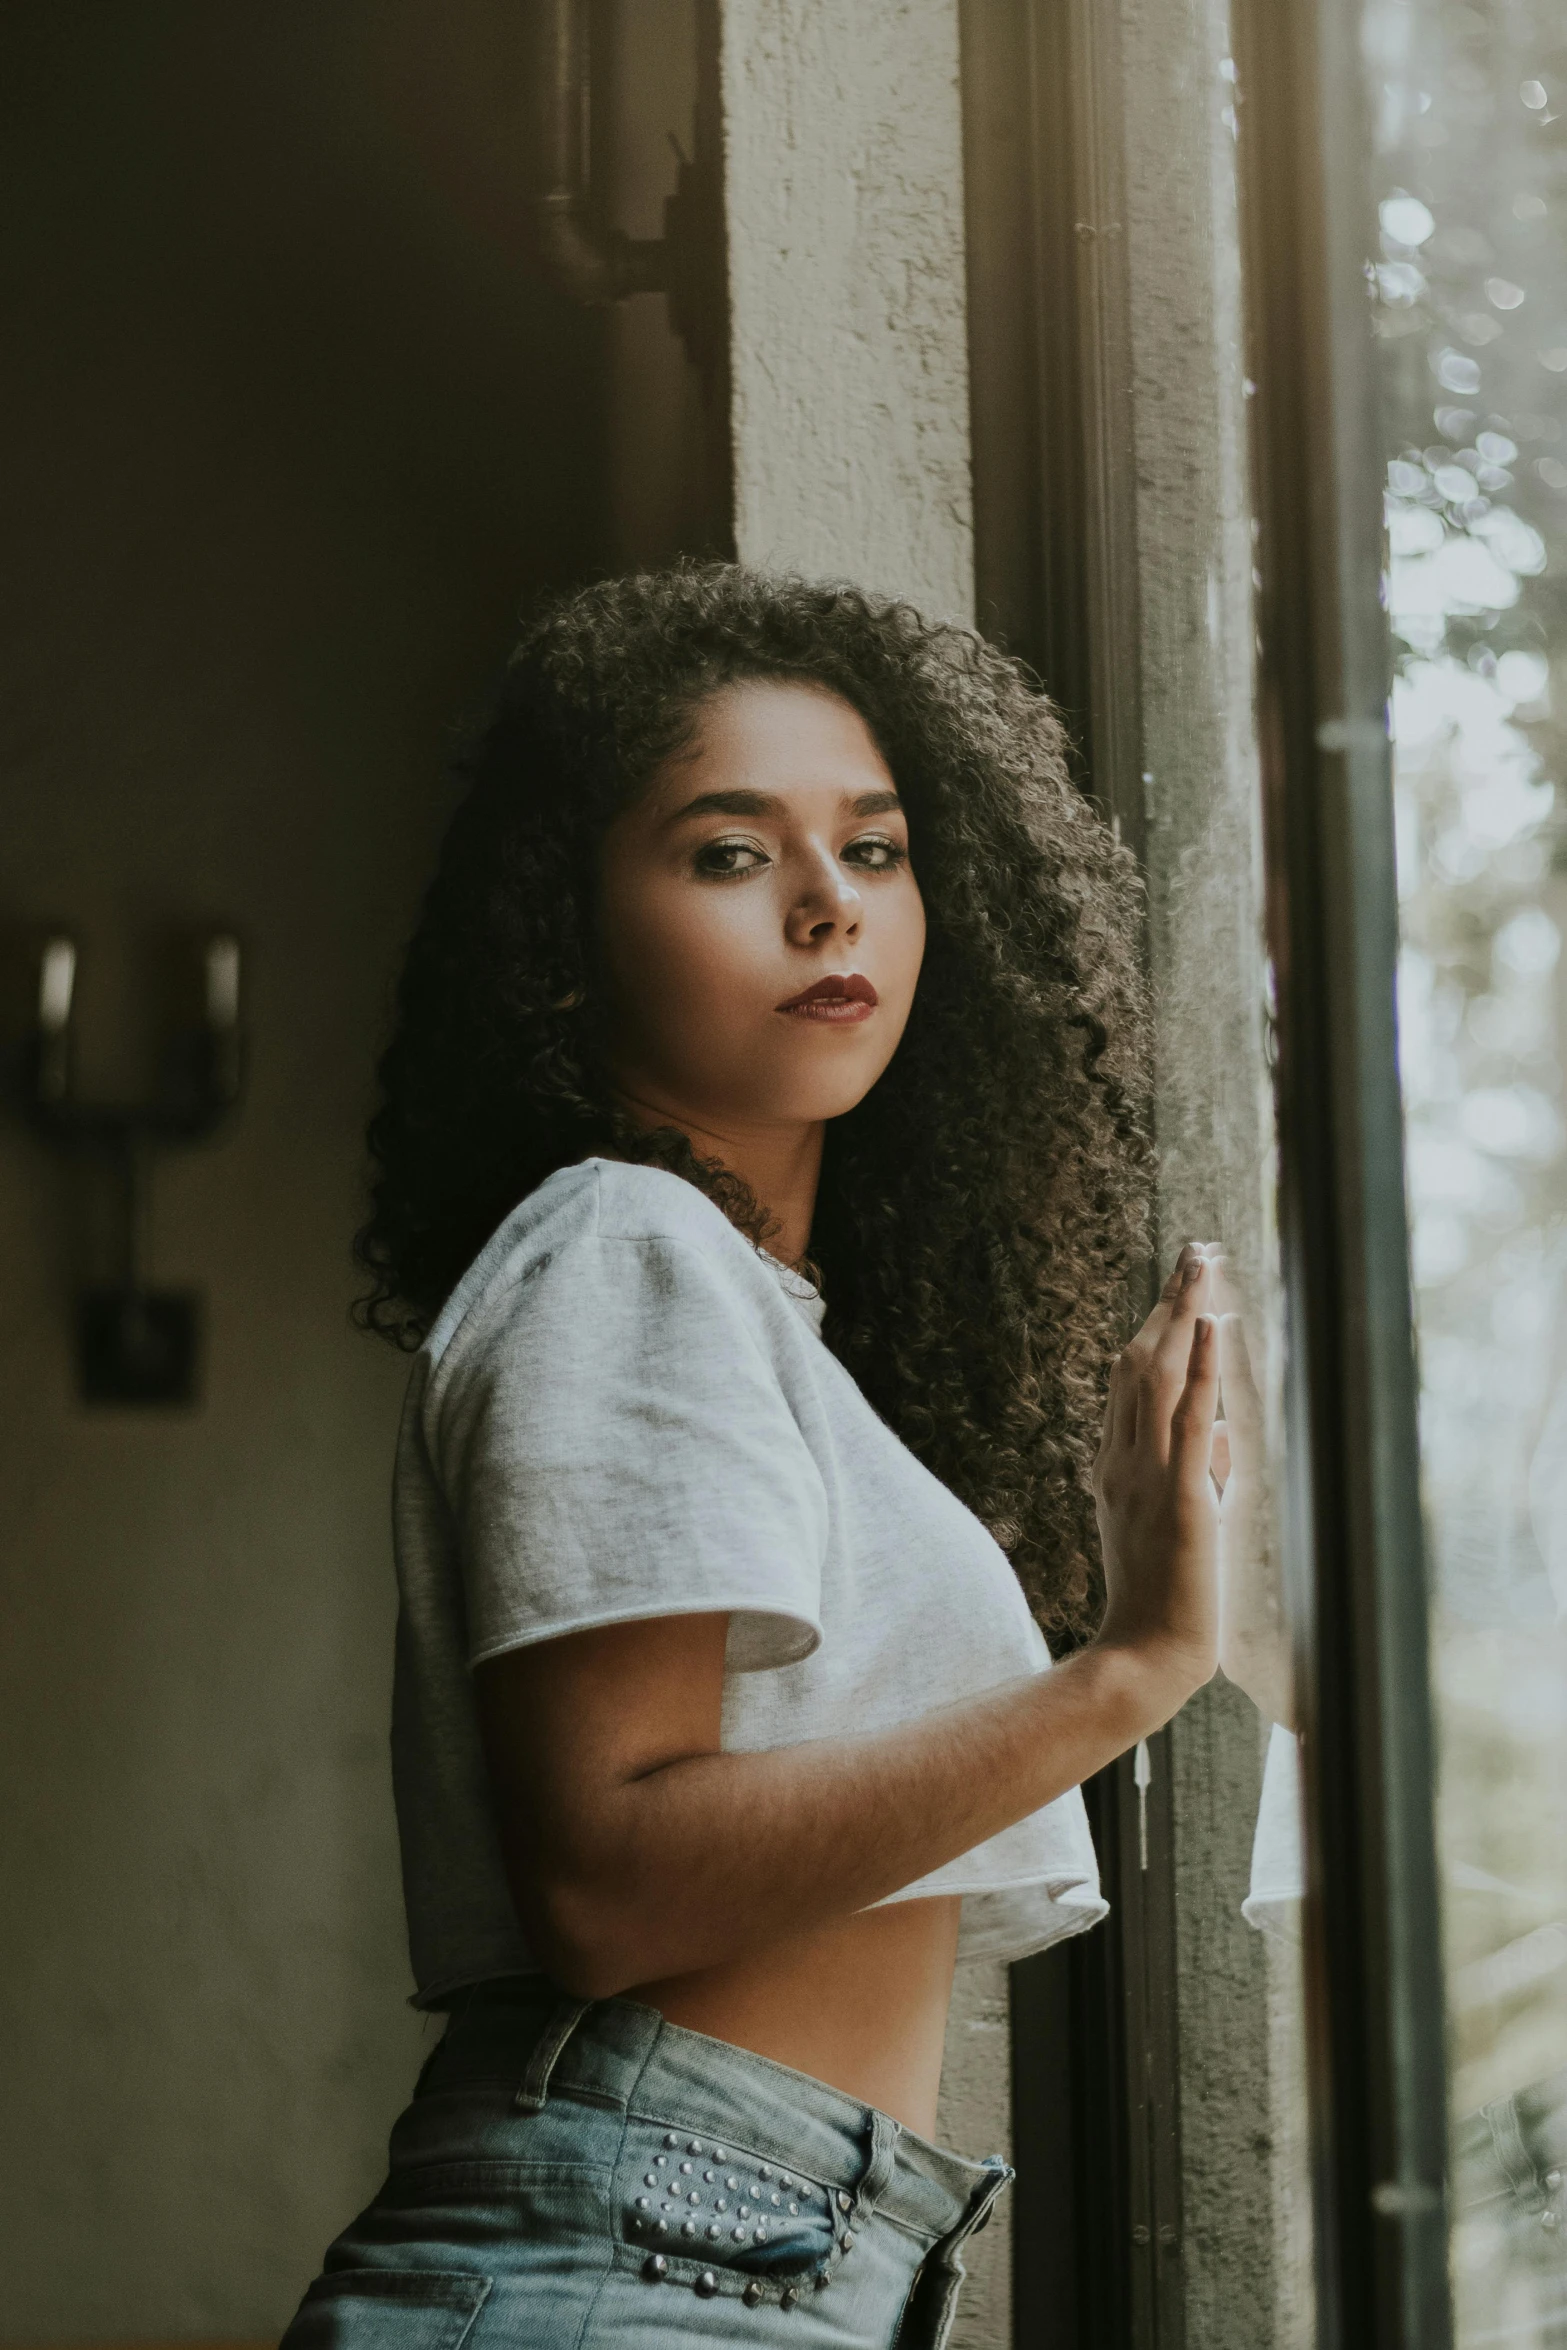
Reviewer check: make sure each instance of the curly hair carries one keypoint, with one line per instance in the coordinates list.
(982, 1211)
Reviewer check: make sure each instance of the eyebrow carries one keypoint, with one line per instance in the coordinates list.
(739, 802)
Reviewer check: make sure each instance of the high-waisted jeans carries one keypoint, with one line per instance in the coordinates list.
(570, 2177)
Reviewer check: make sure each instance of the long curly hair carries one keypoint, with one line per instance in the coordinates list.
(982, 1211)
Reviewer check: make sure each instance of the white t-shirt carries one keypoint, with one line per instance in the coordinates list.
(625, 1410)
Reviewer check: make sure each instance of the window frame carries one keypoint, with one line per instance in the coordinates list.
(1375, 2006)
(1097, 2230)
(1096, 2062)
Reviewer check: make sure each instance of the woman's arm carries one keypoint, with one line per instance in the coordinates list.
(637, 1850)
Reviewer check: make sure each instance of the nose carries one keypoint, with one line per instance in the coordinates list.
(828, 905)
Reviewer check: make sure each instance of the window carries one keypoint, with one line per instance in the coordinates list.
(1247, 283)
(1160, 2067)
(1470, 283)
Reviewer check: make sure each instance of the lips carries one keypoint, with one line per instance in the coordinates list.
(841, 997)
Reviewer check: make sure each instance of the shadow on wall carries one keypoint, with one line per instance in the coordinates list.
(292, 434)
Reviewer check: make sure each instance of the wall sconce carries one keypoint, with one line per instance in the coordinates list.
(136, 1344)
(584, 259)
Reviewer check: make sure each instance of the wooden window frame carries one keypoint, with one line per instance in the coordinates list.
(1096, 2060)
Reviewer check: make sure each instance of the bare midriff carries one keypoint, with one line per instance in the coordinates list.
(861, 2004)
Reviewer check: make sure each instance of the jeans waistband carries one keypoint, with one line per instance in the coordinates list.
(617, 2053)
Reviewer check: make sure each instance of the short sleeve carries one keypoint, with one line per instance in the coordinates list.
(614, 1443)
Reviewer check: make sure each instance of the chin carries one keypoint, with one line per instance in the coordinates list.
(802, 1087)
(821, 1098)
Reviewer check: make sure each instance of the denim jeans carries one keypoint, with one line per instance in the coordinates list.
(572, 2176)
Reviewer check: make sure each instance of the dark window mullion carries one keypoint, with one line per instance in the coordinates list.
(1374, 2005)
(1096, 2096)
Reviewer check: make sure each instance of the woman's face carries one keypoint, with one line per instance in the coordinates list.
(760, 926)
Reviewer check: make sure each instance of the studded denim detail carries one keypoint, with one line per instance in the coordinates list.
(763, 2243)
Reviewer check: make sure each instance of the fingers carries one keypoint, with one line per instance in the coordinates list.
(1191, 1422)
(1162, 1365)
(1112, 1398)
(1196, 1255)
(1180, 1274)
(1242, 1402)
(1189, 1266)
(1228, 1296)
(1121, 1409)
(1147, 1376)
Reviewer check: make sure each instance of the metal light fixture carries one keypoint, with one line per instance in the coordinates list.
(581, 255)
(136, 1344)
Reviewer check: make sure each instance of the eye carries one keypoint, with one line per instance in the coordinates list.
(726, 860)
(876, 852)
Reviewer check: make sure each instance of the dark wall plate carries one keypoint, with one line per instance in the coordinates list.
(138, 1346)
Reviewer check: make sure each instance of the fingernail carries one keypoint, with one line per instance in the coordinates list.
(1192, 1269)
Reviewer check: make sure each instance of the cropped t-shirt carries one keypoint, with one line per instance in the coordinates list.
(625, 1410)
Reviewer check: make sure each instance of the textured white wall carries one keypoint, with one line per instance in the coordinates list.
(845, 172)
(844, 153)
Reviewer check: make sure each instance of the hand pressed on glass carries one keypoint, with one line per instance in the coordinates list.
(1158, 1509)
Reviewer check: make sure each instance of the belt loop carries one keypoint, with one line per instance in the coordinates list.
(532, 2096)
(986, 2195)
(932, 2305)
(885, 2133)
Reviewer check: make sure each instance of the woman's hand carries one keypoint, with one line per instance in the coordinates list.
(1158, 1507)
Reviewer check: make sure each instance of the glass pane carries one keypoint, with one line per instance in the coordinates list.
(1470, 289)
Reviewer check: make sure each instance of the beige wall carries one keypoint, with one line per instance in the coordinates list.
(843, 146)
(844, 151)
(290, 436)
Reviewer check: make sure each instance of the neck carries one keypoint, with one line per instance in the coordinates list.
(779, 1163)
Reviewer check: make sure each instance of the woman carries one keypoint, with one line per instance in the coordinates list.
(762, 1215)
